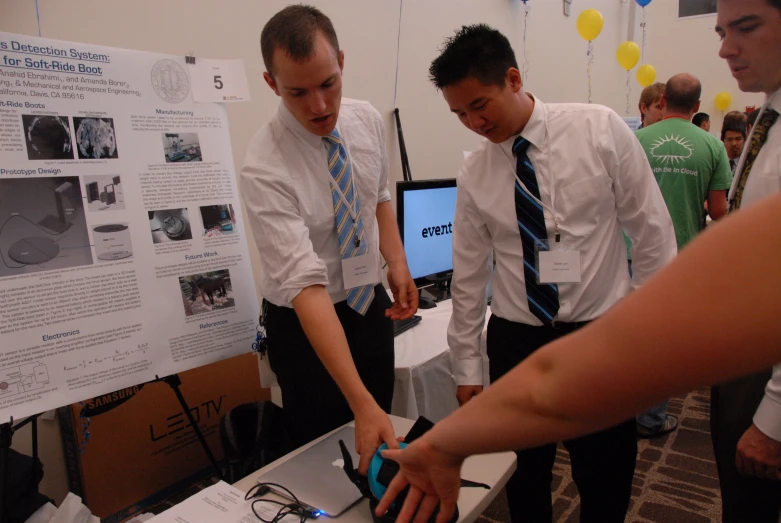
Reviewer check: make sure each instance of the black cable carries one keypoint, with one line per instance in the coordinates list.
(296, 508)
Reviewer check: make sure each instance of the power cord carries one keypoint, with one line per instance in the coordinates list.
(296, 508)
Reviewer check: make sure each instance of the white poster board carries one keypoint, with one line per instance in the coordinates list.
(123, 251)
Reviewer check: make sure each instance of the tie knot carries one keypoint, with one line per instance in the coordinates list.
(333, 137)
(520, 145)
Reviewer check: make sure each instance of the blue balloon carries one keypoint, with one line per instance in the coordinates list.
(643, 3)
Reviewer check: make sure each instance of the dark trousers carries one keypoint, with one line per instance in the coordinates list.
(732, 412)
(311, 401)
(603, 464)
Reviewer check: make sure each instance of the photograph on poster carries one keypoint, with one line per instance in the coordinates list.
(687, 8)
(42, 225)
(47, 137)
(104, 193)
(181, 147)
(206, 292)
(112, 242)
(218, 220)
(95, 138)
(170, 225)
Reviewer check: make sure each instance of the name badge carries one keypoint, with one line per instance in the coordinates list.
(559, 265)
(361, 270)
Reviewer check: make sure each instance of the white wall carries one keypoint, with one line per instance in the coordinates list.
(434, 137)
(691, 45)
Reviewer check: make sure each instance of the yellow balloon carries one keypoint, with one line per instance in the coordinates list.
(628, 55)
(646, 75)
(590, 24)
(723, 101)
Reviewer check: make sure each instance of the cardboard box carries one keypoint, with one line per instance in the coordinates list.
(140, 448)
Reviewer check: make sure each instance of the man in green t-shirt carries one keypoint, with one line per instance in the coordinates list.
(691, 167)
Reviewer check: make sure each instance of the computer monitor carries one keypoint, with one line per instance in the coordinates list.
(425, 211)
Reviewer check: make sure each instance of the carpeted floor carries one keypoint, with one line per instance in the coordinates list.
(675, 479)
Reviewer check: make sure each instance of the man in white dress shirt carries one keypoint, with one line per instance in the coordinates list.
(315, 185)
(746, 413)
(549, 192)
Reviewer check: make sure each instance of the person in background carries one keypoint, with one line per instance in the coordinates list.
(650, 113)
(650, 104)
(686, 181)
(746, 413)
(751, 120)
(315, 185)
(733, 136)
(657, 342)
(702, 120)
(550, 183)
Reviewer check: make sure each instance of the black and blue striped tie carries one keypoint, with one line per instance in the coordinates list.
(543, 297)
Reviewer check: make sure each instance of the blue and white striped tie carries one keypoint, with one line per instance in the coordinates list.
(543, 298)
(352, 237)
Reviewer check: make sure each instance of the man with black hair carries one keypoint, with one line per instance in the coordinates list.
(702, 120)
(746, 413)
(733, 136)
(549, 192)
(315, 185)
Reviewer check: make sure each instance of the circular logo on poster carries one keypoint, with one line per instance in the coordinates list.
(3, 385)
(170, 81)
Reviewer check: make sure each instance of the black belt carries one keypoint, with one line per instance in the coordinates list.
(561, 325)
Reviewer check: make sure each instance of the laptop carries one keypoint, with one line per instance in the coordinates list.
(316, 476)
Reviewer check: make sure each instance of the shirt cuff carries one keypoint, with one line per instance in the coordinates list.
(469, 371)
(768, 418)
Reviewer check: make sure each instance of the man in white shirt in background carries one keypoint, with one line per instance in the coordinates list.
(548, 192)
(315, 186)
(746, 413)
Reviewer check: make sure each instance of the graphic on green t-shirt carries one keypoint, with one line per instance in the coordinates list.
(687, 163)
(671, 150)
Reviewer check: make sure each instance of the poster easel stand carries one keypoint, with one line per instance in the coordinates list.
(174, 381)
(6, 436)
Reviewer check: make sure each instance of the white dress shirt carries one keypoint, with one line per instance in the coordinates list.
(594, 177)
(285, 184)
(764, 180)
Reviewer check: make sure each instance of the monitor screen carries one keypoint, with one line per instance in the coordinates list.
(425, 212)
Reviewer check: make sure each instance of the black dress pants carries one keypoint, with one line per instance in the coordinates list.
(603, 464)
(312, 403)
(732, 412)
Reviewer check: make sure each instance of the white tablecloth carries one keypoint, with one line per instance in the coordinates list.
(425, 385)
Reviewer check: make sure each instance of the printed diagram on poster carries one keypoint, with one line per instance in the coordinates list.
(95, 138)
(218, 220)
(104, 193)
(170, 225)
(123, 253)
(42, 225)
(22, 379)
(199, 292)
(182, 147)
